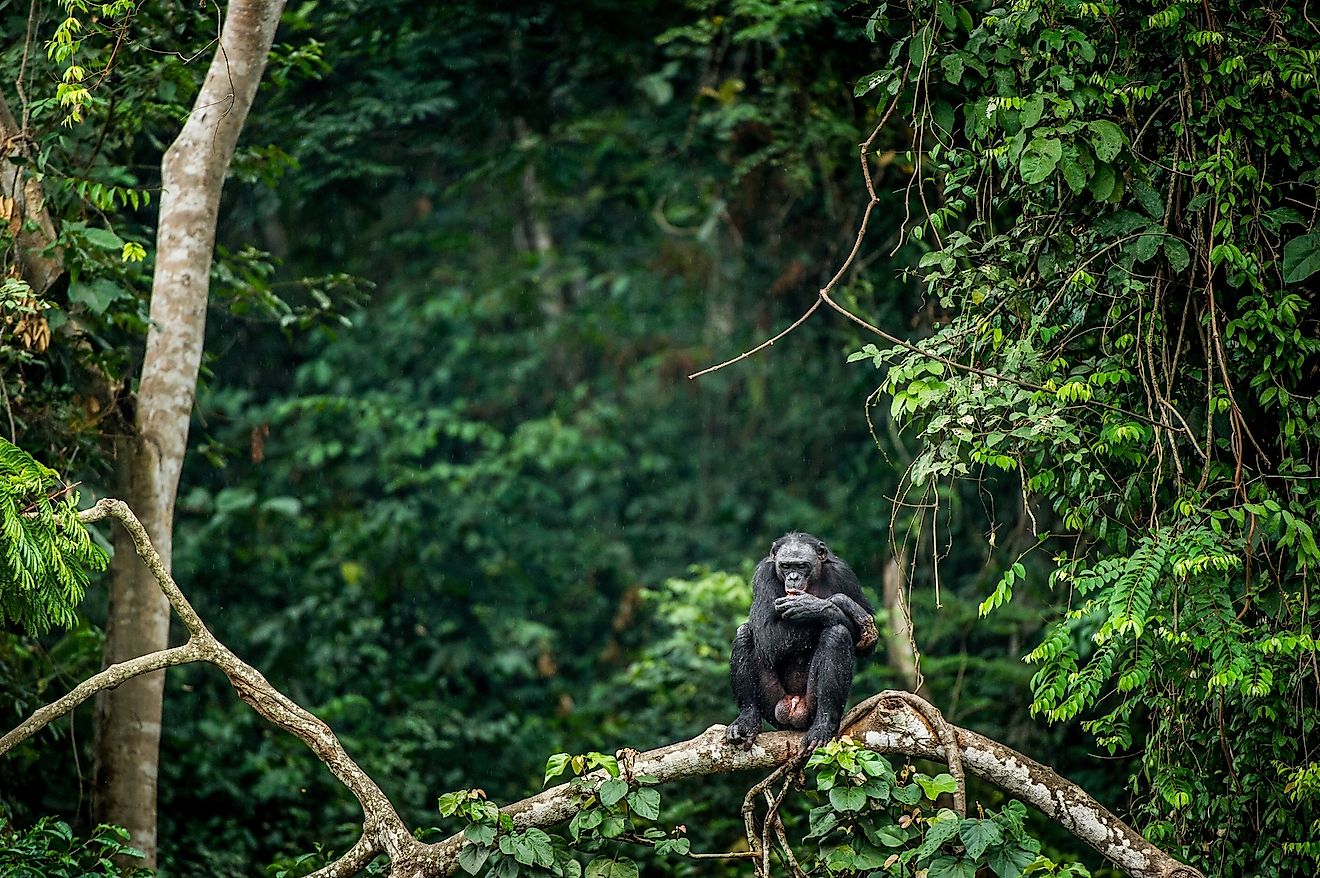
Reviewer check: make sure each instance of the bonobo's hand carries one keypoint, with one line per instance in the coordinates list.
(743, 731)
(807, 608)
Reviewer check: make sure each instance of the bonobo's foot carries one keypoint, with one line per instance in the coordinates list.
(743, 731)
(820, 733)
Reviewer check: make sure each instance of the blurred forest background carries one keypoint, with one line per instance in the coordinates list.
(448, 483)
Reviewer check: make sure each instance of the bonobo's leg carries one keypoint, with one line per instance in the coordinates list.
(828, 683)
(756, 688)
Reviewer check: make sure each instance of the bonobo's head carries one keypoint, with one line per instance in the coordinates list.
(798, 558)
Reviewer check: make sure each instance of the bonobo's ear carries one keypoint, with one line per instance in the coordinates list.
(774, 547)
(822, 550)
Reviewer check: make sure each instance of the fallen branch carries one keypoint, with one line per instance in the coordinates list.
(895, 723)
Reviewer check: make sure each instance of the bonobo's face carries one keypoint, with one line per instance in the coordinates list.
(797, 563)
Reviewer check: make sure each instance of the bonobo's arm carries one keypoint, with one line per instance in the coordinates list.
(838, 609)
(859, 621)
(845, 604)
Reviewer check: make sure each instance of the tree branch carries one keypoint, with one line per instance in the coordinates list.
(107, 679)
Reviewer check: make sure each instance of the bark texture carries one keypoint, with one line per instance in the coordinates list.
(23, 208)
(149, 461)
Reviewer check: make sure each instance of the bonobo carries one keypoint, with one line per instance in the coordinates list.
(792, 662)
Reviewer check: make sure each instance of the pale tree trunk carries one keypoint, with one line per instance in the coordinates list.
(903, 659)
(149, 461)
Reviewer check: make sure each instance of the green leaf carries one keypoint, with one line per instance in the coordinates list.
(97, 295)
(1106, 139)
(919, 47)
(952, 65)
(848, 798)
(534, 848)
(480, 833)
(1077, 168)
(1039, 159)
(944, 827)
(471, 857)
(821, 821)
(680, 846)
(871, 82)
(585, 821)
(1177, 254)
(940, 783)
(612, 791)
(645, 803)
(554, 766)
(103, 238)
(1009, 861)
(605, 867)
(889, 836)
(1032, 109)
(1144, 248)
(977, 835)
(951, 867)
(908, 794)
(1301, 258)
(1103, 182)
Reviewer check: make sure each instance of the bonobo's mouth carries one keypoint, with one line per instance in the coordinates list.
(790, 590)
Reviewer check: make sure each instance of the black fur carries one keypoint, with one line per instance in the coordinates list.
(792, 662)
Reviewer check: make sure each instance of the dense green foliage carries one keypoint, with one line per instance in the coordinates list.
(447, 515)
(1119, 205)
(49, 849)
(46, 555)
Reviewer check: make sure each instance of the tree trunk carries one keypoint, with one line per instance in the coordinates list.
(898, 633)
(23, 208)
(149, 461)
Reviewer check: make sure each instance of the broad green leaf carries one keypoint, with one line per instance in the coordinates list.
(1106, 139)
(977, 835)
(471, 857)
(612, 791)
(605, 867)
(1039, 159)
(908, 794)
(1032, 109)
(1301, 258)
(554, 766)
(1009, 861)
(1103, 182)
(951, 867)
(944, 827)
(940, 783)
(479, 833)
(103, 238)
(96, 296)
(952, 65)
(645, 803)
(889, 836)
(1177, 254)
(1144, 248)
(848, 798)
(680, 846)
(919, 47)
